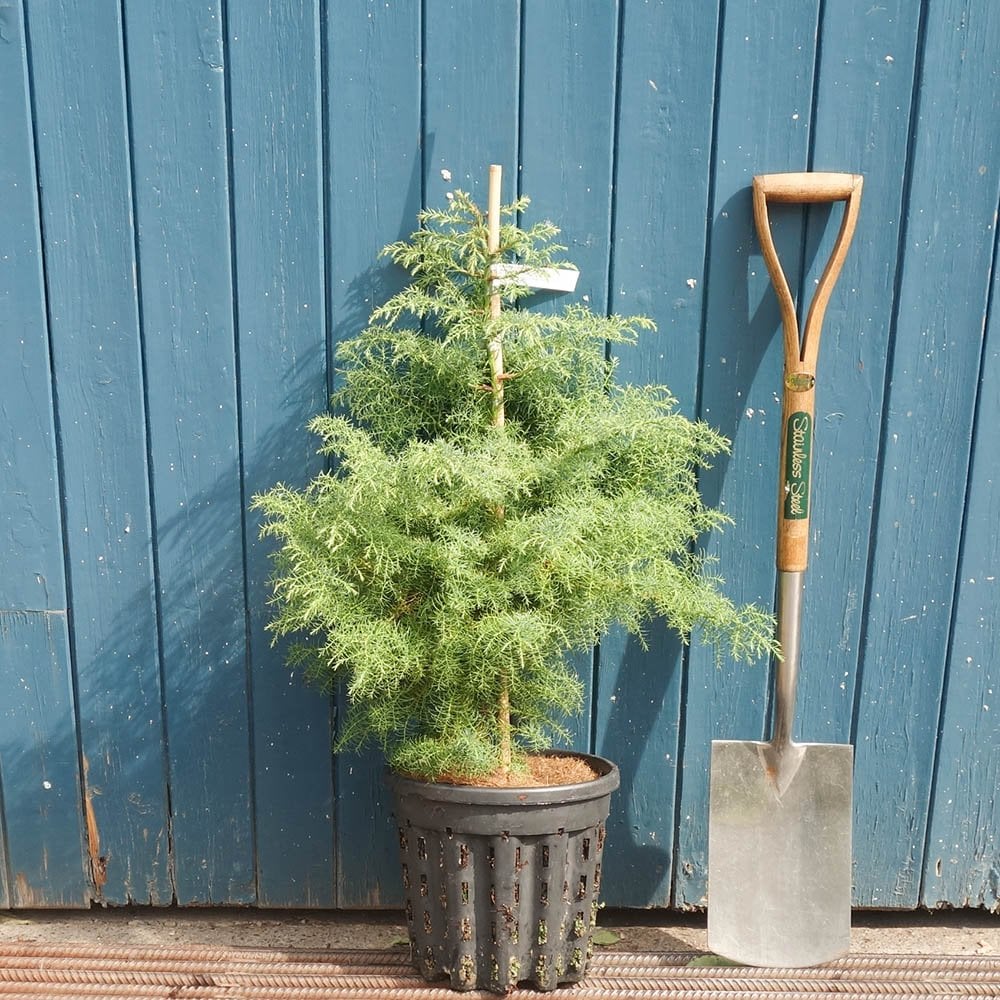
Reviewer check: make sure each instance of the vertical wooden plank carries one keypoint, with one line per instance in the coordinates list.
(568, 80)
(962, 863)
(940, 315)
(662, 182)
(762, 116)
(4, 881)
(41, 835)
(568, 83)
(84, 171)
(469, 116)
(471, 61)
(31, 531)
(39, 763)
(177, 95)
(865, 75)
(275, 120)
(667, 79)
(375, 184)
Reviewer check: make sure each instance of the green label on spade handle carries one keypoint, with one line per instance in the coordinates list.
(798, 453)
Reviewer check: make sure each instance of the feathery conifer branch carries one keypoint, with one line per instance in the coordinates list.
(450, 624)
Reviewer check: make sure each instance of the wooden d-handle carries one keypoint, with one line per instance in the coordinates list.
(807, 187)
(798, 402)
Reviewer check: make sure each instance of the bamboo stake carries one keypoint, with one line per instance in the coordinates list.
(496, 385)
(495, 344)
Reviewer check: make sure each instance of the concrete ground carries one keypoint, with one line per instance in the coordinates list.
(962, 932)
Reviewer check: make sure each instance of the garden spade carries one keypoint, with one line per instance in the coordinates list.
(779, 841)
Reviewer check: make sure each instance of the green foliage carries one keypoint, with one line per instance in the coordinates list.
(444, 563)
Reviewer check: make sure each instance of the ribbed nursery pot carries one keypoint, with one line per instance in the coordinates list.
(501, 884)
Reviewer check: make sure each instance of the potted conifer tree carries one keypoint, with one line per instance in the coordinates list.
(495, 501)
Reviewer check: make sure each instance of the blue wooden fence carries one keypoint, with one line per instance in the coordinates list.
(191, 199)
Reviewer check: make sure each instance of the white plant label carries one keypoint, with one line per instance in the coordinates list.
(552, 279)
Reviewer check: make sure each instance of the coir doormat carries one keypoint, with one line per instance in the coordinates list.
(203, 973)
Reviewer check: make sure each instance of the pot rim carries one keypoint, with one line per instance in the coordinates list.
(607, 781)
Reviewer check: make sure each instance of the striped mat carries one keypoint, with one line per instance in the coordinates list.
(206, 973)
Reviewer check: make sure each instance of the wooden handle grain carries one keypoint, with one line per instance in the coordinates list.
(809, 187)
(801, 355)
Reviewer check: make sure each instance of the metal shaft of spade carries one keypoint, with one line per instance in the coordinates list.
(786, 674)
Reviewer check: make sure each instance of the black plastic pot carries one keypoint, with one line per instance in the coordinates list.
(502, 884)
